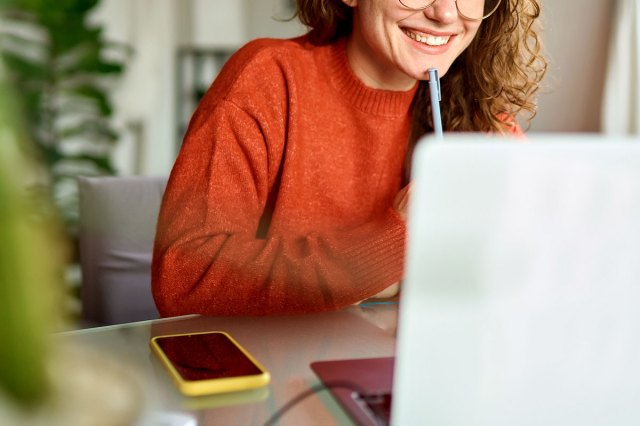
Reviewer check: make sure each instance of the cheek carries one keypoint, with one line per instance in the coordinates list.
(470, 34)
(472, 30)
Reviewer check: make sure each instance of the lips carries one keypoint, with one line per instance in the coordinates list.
(428, 39)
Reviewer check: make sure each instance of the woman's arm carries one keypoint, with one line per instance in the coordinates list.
(207, 257)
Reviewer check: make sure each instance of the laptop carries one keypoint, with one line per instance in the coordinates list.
(521, 301)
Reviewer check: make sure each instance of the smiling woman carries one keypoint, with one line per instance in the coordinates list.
(384, 58)
(290, 191)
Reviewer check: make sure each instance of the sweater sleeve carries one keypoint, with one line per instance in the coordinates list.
(207, 257)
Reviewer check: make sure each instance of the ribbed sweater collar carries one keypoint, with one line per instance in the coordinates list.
(372, 101)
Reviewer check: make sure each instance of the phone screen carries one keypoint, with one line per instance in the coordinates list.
(206, 356)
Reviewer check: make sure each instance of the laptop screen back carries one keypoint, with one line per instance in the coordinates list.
(522, 295)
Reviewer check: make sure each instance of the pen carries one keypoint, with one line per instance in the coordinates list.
(434, 90)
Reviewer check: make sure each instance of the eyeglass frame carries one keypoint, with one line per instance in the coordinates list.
(457, 9)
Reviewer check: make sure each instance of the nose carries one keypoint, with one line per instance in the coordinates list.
(443, 11)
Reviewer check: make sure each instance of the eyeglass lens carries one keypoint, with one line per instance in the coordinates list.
(470, 9)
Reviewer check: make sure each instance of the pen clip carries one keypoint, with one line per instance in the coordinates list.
(436, 97)
(435, 81)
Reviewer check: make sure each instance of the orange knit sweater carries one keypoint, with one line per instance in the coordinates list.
(280, 199)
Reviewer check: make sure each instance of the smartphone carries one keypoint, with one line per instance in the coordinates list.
(208, 362)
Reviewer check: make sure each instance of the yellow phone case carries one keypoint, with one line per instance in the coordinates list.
(216, 385)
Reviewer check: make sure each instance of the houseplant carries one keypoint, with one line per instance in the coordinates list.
(63, 66)
(27, 237)
(30, 256)
(44, 380)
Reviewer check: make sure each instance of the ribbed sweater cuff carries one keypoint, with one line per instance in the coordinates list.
(377, 252)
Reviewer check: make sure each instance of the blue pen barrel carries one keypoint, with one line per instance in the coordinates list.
(434, 91)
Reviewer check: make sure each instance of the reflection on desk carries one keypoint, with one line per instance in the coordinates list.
(285, 345)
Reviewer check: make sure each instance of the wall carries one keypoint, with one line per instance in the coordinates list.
(576, 37)
(218, 23)
(145, 99)
(270, 18)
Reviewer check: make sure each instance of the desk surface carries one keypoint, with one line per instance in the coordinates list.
(284, 345)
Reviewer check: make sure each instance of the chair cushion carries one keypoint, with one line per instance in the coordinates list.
(118, 218)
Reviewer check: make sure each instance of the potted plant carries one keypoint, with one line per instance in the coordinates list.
(62, 65)
(26, 290)
(44, 380)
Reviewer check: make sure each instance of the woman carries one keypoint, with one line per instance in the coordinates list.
(289, 193)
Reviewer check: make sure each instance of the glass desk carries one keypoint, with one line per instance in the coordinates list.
(285, 345)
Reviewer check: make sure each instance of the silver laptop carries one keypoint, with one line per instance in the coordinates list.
(521, 304)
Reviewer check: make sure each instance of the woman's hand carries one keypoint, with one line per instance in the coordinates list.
(389, 292)
(401, 201)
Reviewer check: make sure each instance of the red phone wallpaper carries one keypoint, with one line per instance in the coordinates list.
(206, 356)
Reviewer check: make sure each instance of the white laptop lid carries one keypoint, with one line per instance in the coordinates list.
(521, 304)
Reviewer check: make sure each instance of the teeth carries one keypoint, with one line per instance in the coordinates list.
(428, 39)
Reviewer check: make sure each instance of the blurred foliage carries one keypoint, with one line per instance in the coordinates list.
(53, 102)
(31, 259)
(63, 68)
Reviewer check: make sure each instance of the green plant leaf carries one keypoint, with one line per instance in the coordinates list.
(25, 240)
(99, 164)
(22, 68)
(91, 93)
(63, 74)
(93, 129)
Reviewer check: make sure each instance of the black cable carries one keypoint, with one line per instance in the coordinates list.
(314, 389)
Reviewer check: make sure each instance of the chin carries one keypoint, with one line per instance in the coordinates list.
(425, 76)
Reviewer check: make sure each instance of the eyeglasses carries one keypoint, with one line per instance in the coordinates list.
(471, 10)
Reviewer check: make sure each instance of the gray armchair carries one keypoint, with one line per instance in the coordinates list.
(118, 218)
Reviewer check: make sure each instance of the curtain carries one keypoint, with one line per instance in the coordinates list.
(621, 100)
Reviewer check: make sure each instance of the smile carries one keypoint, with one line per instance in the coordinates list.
(429, 40)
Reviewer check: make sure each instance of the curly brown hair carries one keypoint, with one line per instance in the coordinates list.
(491, 83)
